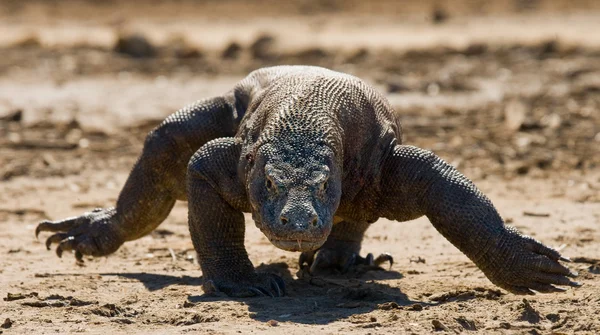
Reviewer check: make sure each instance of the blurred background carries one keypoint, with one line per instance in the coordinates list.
(506, 88)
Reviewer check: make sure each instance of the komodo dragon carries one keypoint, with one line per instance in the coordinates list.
(316, 157)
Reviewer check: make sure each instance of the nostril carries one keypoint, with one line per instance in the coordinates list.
(283, 220)
(314, 221)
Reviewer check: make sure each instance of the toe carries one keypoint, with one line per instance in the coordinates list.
(556, 279)
(55, 226)
(546, 265)
(520, 290)
(306, 257)
(67, 244)
(277, 285)
(541, 249)
(350, 262)
(385, 257)
(546, 288)
(56, 238)
(550, 266)
(78, 256)
(261, 292)
(209, 287)
(370, 259)
(263, 285)
(320, 261)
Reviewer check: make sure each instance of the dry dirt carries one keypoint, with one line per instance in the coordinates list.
(509, 92)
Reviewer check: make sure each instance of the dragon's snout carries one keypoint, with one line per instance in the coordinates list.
(298, 228)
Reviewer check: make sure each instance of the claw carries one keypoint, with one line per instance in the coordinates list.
(565, 259)
(56, 238)
(38, 229)
(369, 259)
(521, 290)
(385, 257)
(351, 261)
(315, 264)
(210, 287)
(79, 256)
(280, 285)
(546, 288)
(306, 257)
(261, 291)
(51, 226)
(275, 288)
(65, 245)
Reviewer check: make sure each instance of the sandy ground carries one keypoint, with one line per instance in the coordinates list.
(508, 94)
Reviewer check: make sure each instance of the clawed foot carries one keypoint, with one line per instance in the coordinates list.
(523, 264)
(342, 261)
(262, 285)
(92, 233)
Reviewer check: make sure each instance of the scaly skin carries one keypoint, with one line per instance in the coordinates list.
(301, 148)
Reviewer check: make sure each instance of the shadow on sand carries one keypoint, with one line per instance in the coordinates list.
(309, 300)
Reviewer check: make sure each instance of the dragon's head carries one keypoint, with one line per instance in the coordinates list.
(294, 192)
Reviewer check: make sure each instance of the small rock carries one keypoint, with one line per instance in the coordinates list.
(433, 89)
(466, 323)
(232, 51)
(439, 15)
(182, 49)
(135, 45)
(19, 296)
(358, 56)
(12, 116)
(7, 323)
(262, 47)
(438, 325)
(553, 317)
(515, 113)
(388, 306)
(273, 323)
(123, 321)
(29, 42)
(415, 307)
(528, 314)
(311, 55)
(475, 49)
(187, 52)
(552, 121)
(417, 259)
(397, 85)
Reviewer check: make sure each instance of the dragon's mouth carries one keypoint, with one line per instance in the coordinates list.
(297, 245)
